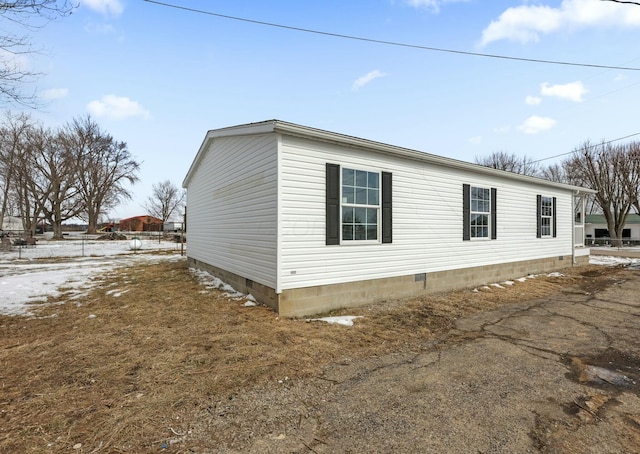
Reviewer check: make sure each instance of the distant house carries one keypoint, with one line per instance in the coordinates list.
(143, 223)
(308, 220)
(172, 226)
(597, 231)
(11, 224)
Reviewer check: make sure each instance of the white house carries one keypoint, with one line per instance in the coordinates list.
(11, 224)
(597, 230)
(308, 220)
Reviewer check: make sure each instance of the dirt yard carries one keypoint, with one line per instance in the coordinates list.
(153, 361)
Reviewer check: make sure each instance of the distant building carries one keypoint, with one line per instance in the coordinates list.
(144, 223)
(597, 231)
(172, 226)
(11, 224)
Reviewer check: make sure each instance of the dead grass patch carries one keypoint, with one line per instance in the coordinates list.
(147, 350)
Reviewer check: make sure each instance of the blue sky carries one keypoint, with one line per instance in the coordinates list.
(158, 77)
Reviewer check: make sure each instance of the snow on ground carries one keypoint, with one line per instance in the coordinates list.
(346, 320)
(212, 282)
(606, 260)
(31, 275)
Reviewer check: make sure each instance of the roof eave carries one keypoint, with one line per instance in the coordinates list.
(293, 129)
(305, 131)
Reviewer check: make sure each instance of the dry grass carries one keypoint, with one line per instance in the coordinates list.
(160, 353)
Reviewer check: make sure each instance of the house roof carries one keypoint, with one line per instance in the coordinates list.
(145, 218)
(600, 219)
(292, 129)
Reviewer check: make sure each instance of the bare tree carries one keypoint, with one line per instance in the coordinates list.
(164, 200)
(556, 173)
(13, 136)
(50, 178)
(560, 173)
(76, 171)
(614, 171)
(23, 16)
(509, 162)
(103, 167)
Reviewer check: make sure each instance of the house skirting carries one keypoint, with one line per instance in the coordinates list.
(305, 301)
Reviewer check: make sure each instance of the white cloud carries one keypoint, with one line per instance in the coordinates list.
(573, 91)
(100, 29)
(116, 108)
(54, 93)
(433, 5)
(526, 23)
(364, 80)
(532, 100)
(535, 124)
(114, 7)
(475, 139)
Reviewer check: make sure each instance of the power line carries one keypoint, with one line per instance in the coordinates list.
(391, 43)
(585, 148)
(623, 1)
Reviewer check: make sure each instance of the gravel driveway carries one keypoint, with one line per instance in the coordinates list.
(557, 375)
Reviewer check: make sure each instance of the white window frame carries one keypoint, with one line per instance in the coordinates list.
(473, 230)
(546, 215)
(345, 204)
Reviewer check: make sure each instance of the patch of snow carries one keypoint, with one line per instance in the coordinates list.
(234, 295)
(115, 292)
(508, 282)
(345, 320)
(497, 285)
(27, 276)
(212, 282)
(251, 301)
(555, 274)
(608, 260)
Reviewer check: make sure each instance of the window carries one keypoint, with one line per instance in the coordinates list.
(604, 233)
(546, 217)
(358, 205)
(479, 212)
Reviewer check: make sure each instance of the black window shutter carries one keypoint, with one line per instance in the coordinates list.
(333, 204)
(539, 216)
(554, 217)
(494, 217)
(466, 212)
(387, 217)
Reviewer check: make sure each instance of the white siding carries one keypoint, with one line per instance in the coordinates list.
(232, 207)
(590, 229)
(427, 219)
